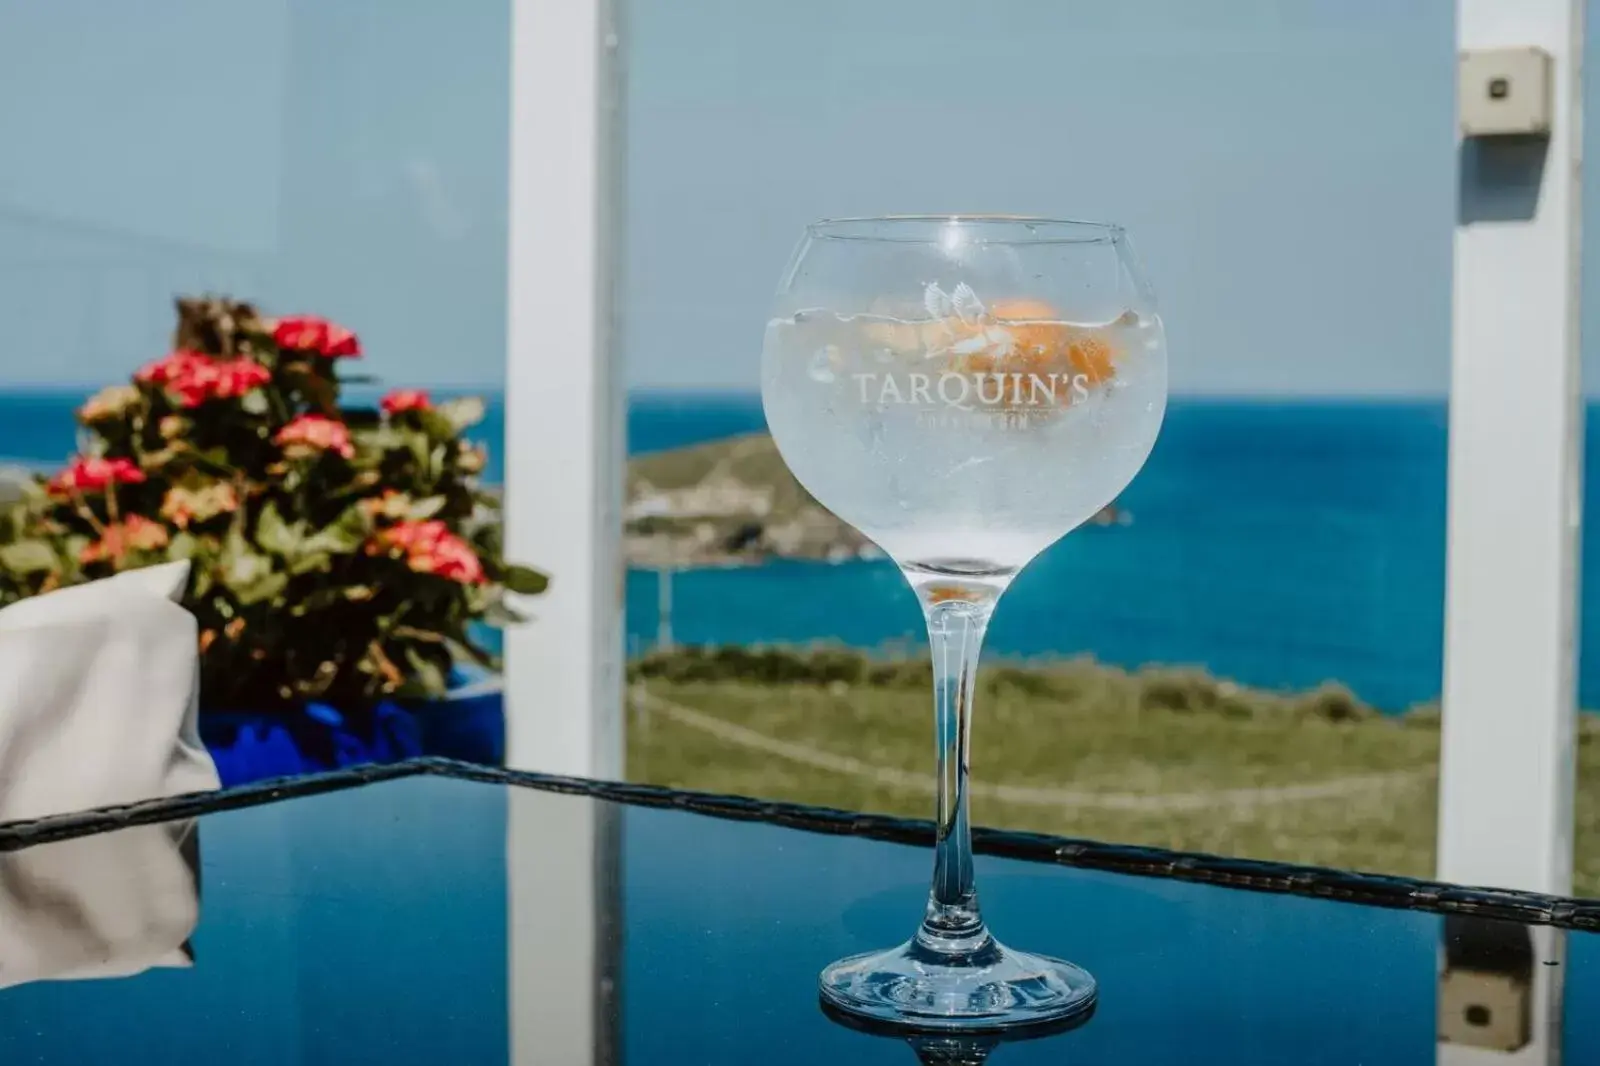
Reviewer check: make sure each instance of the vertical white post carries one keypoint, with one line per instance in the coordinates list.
(1516, 435)
(564, 412)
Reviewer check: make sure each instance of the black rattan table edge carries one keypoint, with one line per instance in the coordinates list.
(1380, 890)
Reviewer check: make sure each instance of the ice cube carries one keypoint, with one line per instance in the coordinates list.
(824, 363)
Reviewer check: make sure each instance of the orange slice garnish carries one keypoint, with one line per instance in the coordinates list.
(1093, 357)
(1020, 336)
(1038, 338)
(1041, 344)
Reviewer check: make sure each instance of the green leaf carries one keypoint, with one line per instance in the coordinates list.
(155, 460)
(489, 536)
(327, 597)
(263, 588)
(436, 425)
(496, 613)
(217, 457)
(374, 443)
(245, 570)
(425, 508)
(254, 402)
(234, 544)
(344, 534)
(307, 562)
(463, 651)
(183, 546)
(524, 580)
(418, 443)
(276, 535)
(29, 557)
(378, 438)
(72, 547)
(462, 412)
(426, 675)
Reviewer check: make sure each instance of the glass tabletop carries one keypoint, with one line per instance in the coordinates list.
(427, 919)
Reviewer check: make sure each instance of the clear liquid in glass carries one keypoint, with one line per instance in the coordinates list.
(964, 442)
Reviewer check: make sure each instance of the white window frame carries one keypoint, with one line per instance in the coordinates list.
(564, 404)
(1507, 775)
(1507, 752)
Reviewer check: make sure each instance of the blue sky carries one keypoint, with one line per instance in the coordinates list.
(1286, 167)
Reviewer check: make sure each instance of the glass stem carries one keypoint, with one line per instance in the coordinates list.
(955, 632)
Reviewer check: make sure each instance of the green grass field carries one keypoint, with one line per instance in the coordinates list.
(1176, 760)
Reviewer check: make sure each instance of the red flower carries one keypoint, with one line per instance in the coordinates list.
(194, 377)
(308, 333)
(239, 376)
(171, 367)
(405, 400)
(430, 548)
(134, 533)
(90, 474)
(314, 433)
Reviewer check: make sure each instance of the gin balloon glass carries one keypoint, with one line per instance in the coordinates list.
(964, 390)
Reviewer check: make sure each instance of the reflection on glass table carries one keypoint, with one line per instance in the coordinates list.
(936, 1046)
(105, 905)
(422, 917)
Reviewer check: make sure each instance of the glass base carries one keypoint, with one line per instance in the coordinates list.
(988, 989)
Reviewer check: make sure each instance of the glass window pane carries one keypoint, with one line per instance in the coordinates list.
(1264, 605)
(346, 160)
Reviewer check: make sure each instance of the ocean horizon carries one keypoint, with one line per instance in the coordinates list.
(1276, 542)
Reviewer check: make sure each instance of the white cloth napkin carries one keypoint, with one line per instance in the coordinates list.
(99, 696)
(108, 905)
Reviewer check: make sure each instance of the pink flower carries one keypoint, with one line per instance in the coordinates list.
(308, 333)
(164, 370)
(238, 376)
(405, 400)
(182, 372)
(134, 533)
(309, 434)
(194, 377)
(91, 474)
(430, 548)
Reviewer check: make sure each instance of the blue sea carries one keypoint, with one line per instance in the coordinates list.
(1278, 544)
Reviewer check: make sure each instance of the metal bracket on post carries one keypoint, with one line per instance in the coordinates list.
(1516, 434)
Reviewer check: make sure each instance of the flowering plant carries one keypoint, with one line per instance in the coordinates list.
(337, 554)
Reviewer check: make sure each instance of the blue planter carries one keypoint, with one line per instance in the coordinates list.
(468, 724)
